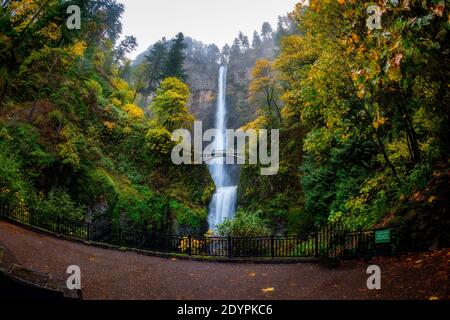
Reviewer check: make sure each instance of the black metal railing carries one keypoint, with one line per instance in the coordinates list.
(333, 241)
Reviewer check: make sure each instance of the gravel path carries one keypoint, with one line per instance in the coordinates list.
(110, 274)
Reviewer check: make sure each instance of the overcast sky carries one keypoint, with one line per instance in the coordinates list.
(210, 21)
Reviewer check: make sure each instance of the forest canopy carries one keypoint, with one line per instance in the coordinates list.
(369, 109)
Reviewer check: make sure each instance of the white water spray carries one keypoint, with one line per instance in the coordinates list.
(223, 204)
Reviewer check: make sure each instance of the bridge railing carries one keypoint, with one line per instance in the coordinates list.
(332, 241)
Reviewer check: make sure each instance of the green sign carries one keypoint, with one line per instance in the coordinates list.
(383, 236)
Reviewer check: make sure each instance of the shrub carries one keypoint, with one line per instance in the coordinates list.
(159, 140)
(244, 224)
(190, 220)
(11, 183)
(95, 185)
(420, 176)
(139, 207)
(59, 204)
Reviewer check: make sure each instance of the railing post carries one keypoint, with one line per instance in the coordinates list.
(88, 225)
(120, 237)
(190, 245)
(317, 244)
(230, 248)
(359, 243)
(59, 224)
(154, 241)
(31, 219)
(272, 246)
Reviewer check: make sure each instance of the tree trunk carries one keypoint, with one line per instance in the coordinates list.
(381, 148)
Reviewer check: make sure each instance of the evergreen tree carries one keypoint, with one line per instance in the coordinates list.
(244, 42)
(266, 30)
(213, 54)
(225, 55)
(285, 27)
(127, 45)
(157, 61)
(256, 43)
(235, 48)
(175, 58)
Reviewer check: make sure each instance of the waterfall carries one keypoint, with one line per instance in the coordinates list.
(223, 203)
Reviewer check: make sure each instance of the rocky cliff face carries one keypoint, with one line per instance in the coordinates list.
(202, 104)
(202, 81)
(239, 76)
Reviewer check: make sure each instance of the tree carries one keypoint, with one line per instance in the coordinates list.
(264, 87)
(213, 54)
(157, 60)
(108, 12)
(127, 45)
(244, 42)
(139, 80)
(256, 43)
(266, 30)
(175, 58)
(285, 27)
(169, 104)
(235, 50)
(225, 55)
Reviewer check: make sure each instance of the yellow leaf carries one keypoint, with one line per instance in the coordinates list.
(433, 298)
(266, 290)
(379, 122)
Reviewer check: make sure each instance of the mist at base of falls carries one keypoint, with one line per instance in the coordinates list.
(223, 203)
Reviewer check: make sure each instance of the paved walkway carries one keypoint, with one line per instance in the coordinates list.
(110, 274)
